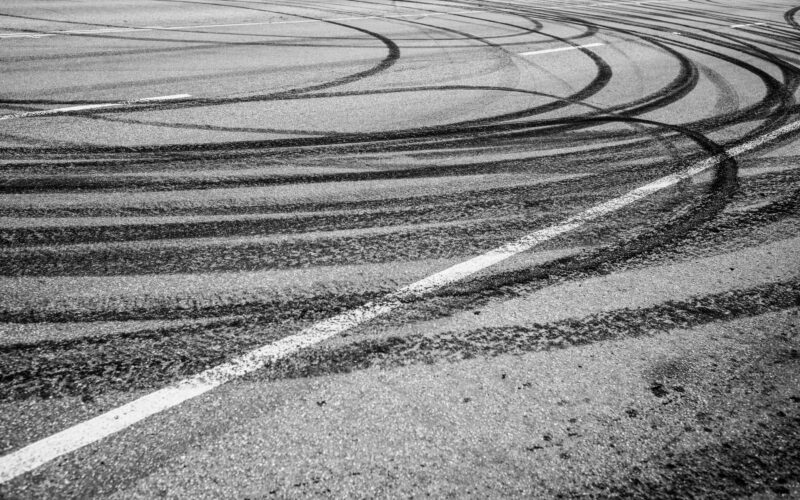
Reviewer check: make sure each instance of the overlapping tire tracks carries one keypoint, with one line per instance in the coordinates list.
(111, 215)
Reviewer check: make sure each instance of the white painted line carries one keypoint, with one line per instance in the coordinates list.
(25, 35)
(101, 31)
(163, 98)
(84, 107)
(73, 438)
(746, 25)
(62, 110)
(561, 49)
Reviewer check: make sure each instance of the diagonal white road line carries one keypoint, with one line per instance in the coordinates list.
(747, 25)
(73, 438)
(84, 107)
(560, 49)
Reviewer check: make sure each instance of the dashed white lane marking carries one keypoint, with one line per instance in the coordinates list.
(101, 31)
(40, 452)
(84, 107)
(746, 25)
(560, 49)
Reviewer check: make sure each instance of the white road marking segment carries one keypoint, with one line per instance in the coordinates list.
(746, 25)
(84, 107)
(560, 49)
(25, 35)
(73, 438)
(164, 98)
(231, 25)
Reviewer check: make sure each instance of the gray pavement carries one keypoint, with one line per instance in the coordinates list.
(184, 182)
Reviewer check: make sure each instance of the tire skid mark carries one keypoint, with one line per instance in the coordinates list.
(393, 351)
(388, 61)
(713, 235)
(510, 196)
(88, 367)
(147, 359)
(105, 261)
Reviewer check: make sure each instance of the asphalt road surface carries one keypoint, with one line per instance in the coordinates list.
(373, 248)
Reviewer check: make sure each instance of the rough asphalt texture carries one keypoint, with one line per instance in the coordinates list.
(329, 153)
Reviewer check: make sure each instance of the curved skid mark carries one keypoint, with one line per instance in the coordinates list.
(522, 129)
(73, 438)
